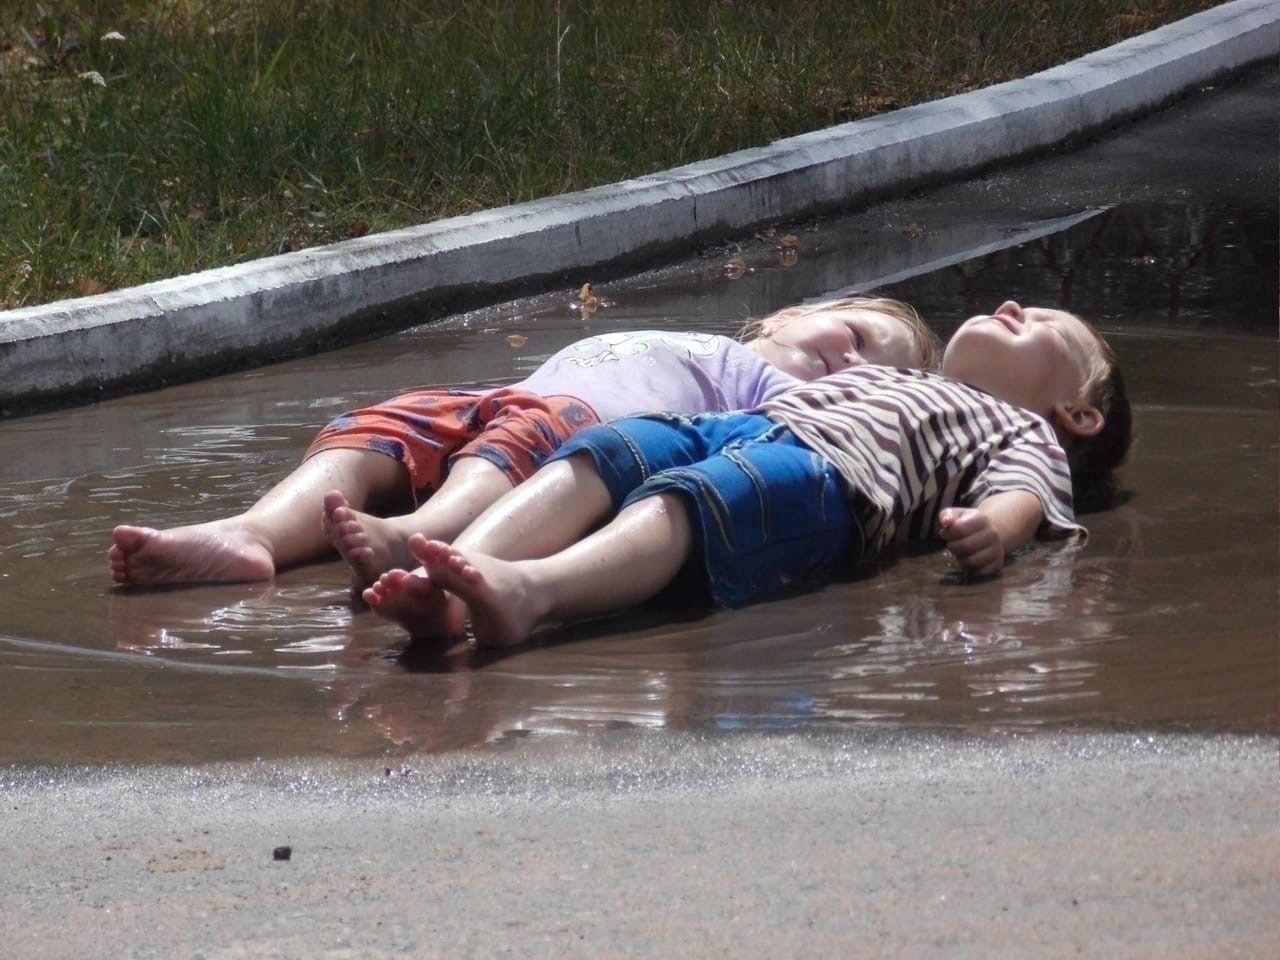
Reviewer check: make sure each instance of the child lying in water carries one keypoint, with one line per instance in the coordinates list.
(982, 457)
(450, 454)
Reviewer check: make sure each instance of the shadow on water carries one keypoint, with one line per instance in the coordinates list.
(1166, 619)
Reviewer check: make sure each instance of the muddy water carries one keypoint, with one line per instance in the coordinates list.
(1167, 619)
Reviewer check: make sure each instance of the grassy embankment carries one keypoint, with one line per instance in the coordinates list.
(140, 140)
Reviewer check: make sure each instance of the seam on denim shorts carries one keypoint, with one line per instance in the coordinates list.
(681, 418)
(761, 487)
(826, 484)
(636, 452)
(713, 500)
(833, 481)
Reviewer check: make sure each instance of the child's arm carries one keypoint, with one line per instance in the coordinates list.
(980, 537)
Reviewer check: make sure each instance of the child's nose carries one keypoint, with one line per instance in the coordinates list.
(1010, 308)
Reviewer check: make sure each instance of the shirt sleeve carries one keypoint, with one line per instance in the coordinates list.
(771, 383)
(746, 379)
(1038, 468)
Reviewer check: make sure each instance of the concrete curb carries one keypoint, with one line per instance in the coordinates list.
(270, 308)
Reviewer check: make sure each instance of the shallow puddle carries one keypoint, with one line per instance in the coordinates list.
(1167, 618)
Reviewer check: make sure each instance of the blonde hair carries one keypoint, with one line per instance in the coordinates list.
(925, 342)
(1094, 459)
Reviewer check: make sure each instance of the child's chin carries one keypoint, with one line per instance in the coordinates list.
(968, 364)
(977, 342)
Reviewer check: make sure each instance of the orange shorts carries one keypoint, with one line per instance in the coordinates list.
(425, 430)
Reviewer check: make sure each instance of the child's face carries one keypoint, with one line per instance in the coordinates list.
(1032, 357)
(812, 345)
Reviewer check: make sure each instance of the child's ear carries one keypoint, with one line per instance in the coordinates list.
(776, 320)
(1077, 419)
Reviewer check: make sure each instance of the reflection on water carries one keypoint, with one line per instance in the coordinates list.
(1176, 265)
(290, 624)
(1166, 618)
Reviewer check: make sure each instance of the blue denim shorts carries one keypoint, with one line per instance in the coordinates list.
(767, 512)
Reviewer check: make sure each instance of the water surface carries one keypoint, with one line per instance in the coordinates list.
(1166, 619)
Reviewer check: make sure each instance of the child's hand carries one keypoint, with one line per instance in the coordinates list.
(972, 539)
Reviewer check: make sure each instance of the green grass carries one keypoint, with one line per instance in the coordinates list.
(217, 131)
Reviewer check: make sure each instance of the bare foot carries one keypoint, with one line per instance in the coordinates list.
(504, 606)
(412, 599)
(207, 553)
(370, 545)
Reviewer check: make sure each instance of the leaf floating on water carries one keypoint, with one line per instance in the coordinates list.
(788, 248)
(516, 340)
(587, 302)
(734, 268)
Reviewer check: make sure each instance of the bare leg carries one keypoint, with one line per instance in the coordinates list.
(552, 509)
(569, 493)
(628, 561)
(279, 530)
(372, 545)
(513, 529)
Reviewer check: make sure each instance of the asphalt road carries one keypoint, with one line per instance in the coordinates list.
(634, 845)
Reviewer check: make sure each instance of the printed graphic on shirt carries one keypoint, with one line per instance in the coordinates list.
(614, 347)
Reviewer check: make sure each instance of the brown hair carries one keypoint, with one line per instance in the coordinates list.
(928, 346)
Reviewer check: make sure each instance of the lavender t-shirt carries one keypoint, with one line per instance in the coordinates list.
(647, 371)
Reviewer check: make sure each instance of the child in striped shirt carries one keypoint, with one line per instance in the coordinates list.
(981, 457)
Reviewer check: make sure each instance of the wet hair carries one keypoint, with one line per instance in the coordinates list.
(1094, 459)
(926, 343)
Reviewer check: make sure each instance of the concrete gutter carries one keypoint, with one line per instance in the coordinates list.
(262, 311)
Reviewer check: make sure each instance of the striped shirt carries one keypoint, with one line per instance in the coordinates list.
(910, 443)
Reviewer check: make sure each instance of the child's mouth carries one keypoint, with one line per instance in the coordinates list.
(1007, 322)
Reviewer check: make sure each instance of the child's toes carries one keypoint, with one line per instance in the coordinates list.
(419, 587)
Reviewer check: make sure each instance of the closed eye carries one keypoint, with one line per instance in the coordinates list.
(1061, 334)
(1075, 350)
